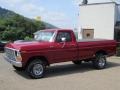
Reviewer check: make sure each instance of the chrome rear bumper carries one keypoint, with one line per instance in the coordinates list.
(15, 63)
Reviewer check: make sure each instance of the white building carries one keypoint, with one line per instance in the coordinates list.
(98, 20)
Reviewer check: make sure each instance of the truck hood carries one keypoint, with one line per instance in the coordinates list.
(28, 45)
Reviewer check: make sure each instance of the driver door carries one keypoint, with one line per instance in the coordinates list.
(64, 47)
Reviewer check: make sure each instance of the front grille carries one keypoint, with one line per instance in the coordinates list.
(10, 54)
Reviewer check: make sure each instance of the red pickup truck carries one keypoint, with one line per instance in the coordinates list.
(55, 46)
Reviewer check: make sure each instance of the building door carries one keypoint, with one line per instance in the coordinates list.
(88, 34)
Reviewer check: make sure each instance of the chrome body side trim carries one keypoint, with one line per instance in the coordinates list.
(15, 63)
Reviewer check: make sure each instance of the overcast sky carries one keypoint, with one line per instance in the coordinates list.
(61, 13)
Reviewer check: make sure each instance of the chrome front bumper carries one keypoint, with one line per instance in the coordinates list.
(15, 63)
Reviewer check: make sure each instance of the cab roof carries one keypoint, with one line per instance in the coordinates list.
(53, 30)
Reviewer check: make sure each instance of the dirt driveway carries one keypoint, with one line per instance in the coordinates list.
(64, 76)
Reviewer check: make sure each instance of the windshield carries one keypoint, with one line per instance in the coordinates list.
(44, 36)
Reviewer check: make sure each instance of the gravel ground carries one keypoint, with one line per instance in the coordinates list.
(63, 76)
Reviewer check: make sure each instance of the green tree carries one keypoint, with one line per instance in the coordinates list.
(19, 27)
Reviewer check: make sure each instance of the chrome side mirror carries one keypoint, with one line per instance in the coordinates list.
(63, 39)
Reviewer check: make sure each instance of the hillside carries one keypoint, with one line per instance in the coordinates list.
(14, 26)
(6, 14)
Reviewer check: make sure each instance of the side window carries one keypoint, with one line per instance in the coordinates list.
(66, 35)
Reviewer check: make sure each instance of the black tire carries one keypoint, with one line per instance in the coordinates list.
(77, 62)
(18, 68)
(36, 69)
(100, 61)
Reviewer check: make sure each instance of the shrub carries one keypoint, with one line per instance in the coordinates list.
(28, 38)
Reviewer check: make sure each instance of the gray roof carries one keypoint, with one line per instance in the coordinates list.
(99, 3)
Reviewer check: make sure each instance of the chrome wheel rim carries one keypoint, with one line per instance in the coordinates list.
(38, 69)
(101, 62)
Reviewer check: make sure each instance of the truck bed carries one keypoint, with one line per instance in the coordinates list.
(92, 40)
(89, 47)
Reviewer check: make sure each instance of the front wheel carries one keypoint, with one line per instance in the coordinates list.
(36, 69)
(100, 61)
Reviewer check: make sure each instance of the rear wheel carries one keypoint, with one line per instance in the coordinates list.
(36, 69)
(100, 61)
(77, 62)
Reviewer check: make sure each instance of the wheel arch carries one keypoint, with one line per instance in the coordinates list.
(101, 52)
(44, 59)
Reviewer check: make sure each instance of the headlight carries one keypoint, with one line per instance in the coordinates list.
(18, 56)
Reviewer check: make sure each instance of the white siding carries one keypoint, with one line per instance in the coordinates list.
(100, 17)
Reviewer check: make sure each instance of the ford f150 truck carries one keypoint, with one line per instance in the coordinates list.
(55, 46)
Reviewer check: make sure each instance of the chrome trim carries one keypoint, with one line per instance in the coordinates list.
(13, 49)
(15, 63)
(52, 38)
(13, 53)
